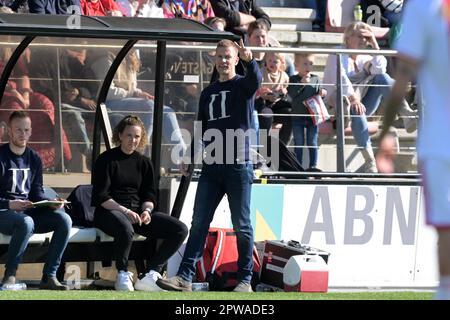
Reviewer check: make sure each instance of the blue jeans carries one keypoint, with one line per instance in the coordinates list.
(143, 108)
(371, 101)
(216, 180)
(22, 225)
(299, 124)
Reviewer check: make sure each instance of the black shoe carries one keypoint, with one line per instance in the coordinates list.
(51, 283)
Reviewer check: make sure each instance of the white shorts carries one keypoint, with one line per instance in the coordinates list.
(436, 186)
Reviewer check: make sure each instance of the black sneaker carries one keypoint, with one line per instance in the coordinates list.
(175, 283)
(51, 283)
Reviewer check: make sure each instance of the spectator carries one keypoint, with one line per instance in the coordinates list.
(15, 6)
(424, 48)
(321, 12)
(20, 186)
(239, 14)
(220, 176)
(125, 196)
(358, 72)
(391, 11)
(258, 37)
(125, 97)
(5, 6)
(258, 34)
(78, 102)
(51, 6)
(319, 6)
(218, 24)
(301, 87)
(391, 16)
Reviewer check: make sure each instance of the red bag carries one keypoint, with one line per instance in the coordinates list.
(218, 265)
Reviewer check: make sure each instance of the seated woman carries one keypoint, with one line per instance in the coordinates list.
(364, 83)
(124, 194)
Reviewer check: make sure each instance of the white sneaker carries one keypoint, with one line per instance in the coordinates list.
(148, 283)
(124, 281)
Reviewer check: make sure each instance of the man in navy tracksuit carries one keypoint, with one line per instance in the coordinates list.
(225, 112)
(20, 186)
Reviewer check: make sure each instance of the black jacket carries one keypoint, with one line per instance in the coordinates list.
(229, 10)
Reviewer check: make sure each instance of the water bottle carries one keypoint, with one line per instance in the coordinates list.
(357, 13)
(13, 287)
(200, 286)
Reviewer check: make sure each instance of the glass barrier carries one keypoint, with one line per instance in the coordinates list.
(64, 77)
